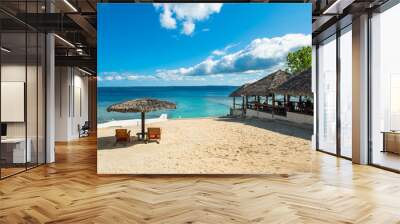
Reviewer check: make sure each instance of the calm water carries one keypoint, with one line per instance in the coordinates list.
(193, 101)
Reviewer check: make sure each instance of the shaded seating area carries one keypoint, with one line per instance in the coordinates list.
(278, 94)
(141, 106)
(299, 86)
(238, 108)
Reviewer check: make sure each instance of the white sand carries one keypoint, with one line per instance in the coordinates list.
(132, 122)
(210, 146)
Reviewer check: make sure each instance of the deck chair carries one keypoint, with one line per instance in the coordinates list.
(122, 135)
(153, 134)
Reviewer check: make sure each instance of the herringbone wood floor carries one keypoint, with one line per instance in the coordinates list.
(69, 191)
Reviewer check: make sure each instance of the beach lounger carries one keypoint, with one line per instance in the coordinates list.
(153, 134)
(122, 135)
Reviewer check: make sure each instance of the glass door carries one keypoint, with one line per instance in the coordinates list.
(346, 92)
(327, 95)
(385, 89)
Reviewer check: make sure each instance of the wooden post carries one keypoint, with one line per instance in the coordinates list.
(243, 105)
(284, 100)
(273, 104)
(143, 123)
(234, 102)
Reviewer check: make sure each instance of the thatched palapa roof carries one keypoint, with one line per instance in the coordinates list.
(141, 105)
(298, 85)
(239, 91)
(267, 85)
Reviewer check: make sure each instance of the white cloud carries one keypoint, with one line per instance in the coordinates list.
(223, 51)
(260, 54)
(188, 27)
(186, 13)
(166, 19)
(218, 52)
(111, 76)
(118, 77)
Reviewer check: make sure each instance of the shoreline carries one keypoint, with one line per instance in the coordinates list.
(129, 122)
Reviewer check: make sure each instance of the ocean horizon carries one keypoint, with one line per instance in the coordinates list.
(191, 101)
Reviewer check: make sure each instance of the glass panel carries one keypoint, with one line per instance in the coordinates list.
(327, 95)
(31, 98)
(385, 92)
(41, 98)
(346, 92)
(13, 79)
(32, 89)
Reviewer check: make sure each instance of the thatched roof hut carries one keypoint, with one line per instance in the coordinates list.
(239, 91)
(141, 105)
(298, 85)
(267, 85)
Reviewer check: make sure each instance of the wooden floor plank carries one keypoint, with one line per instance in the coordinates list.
(70, 191)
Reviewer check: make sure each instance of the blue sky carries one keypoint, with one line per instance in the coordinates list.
(197, 43)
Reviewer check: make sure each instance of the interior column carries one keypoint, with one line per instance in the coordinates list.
(360, 90)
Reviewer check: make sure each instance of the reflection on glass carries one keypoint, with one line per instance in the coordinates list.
(41, 98)
(385, 89)
(31, 97)
(346, 93)
(14, 153)
(327, 96)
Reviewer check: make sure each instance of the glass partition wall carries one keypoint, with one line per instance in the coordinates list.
(346, 94)
(22, 98)
(385, 89)
(334, 94)
(327, 95)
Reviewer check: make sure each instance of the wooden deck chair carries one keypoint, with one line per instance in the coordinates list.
(122, 135)
(154, 134)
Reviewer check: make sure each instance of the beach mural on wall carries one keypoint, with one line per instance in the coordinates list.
(166, 74)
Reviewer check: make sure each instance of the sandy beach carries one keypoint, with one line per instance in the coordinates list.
(210, 146)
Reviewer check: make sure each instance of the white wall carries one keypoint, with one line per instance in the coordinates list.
(71, 102)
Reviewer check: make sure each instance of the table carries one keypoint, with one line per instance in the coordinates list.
(17, 152)
(140, 137)
(391, 141)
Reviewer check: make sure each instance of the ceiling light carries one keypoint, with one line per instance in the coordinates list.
(5, 50)
(84, 71)
(337, 7)
(70, 5)
(65, 41)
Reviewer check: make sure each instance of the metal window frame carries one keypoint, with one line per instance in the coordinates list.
(337, 35)
(381, 9)
(44, 73)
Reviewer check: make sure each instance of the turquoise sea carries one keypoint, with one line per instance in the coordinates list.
(191, 101)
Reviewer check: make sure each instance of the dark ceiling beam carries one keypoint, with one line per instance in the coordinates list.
(77, 61)
(86, 26)
(49, 22)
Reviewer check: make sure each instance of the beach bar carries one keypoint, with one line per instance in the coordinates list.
(238, 109)
(280, 96)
